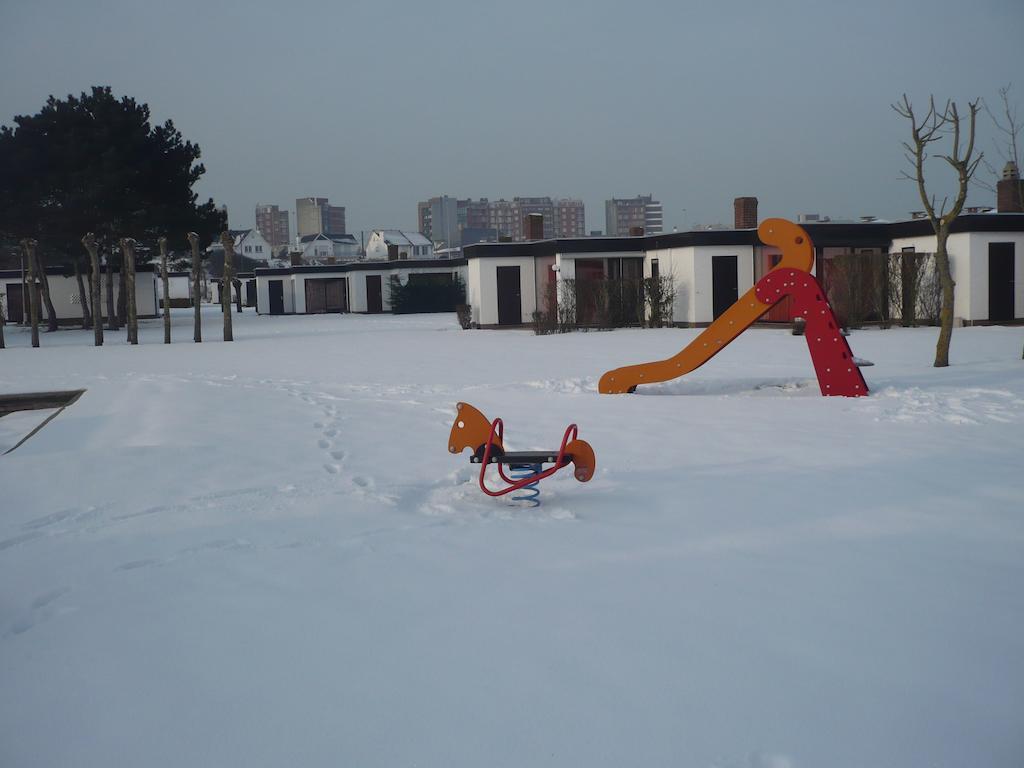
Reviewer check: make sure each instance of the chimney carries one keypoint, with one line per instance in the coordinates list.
(534, 226)
(1010, 191)
(636, 231)
(745, 212)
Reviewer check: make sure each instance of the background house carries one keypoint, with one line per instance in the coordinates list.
(396, 245)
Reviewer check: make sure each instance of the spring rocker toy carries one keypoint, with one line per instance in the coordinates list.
(833, 361)
(472, 430)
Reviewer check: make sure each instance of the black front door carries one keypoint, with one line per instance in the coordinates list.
(15, 303)
(1000, 281)
(724, 283)
(276, 288)
(510, 304)
(374, 296)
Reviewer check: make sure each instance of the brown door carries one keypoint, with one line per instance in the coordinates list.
(15, 303)
(510, 303)
(334, 295)
(374, 296)
(316, 299)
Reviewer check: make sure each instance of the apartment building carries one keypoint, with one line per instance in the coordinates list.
(315, 215)
(625, 215)
(272, 223)
(446, 219)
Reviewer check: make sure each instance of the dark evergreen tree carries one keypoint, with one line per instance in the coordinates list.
(95, 163)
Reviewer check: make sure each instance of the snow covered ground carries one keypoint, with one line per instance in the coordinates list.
(261, 553)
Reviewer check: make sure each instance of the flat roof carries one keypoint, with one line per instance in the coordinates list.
(363, 266)
(822, 234)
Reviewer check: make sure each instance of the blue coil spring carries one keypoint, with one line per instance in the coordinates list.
(529, 493)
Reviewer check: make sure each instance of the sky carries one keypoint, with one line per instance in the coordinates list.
(377, 105)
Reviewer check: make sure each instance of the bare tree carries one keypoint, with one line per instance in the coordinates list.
(3, 317)
(197, 292)
(83, 299)
(1009, 125)
(225, 284)
(128, 267)
(112, 324)
(935, 126)
(29, 247)
(43, 286)
(167, 291)
(89, 241)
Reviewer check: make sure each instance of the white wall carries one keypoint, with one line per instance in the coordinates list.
(968, 262)
(978, 249)
(482, 287)
(691, 270)
(67, 302)
(677, 262)
(263, 293)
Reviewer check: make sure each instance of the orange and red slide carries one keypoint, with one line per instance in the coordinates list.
(833, 361)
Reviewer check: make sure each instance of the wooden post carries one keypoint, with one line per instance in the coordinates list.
(29, 247)
(225, 285)
(89, 241)
(197, 293)
(167, 290)
(132, 319)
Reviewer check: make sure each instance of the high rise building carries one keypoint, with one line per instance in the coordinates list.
(438, 219)
(569, 220)
(315, 215)
(623, 215)
(272, 223)
(444, 219)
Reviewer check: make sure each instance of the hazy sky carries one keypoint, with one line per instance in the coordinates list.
(379, 104)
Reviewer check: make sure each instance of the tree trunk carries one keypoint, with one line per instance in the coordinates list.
(82, 298)
(89, 241)
(29, 246)
(166, 291)
(111, 312)
(948, 285)
(128, 255)
(237, 285)
(197, 292)
(225, 285)
(44, 289)
(122, 294)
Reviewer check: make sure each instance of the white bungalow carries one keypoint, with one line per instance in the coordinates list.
(65, 295)
(361, 286)
(507, 282)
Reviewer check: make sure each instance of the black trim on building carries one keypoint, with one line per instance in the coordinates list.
(872, 234)
(361, 266)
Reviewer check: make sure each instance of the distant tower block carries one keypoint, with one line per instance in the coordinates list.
(534, 226)
(745, 212)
